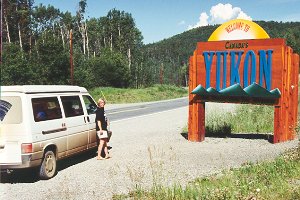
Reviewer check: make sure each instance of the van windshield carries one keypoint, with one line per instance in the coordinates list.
(10, 110)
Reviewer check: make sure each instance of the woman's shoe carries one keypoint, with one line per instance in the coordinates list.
(100, 158)
(107, 156)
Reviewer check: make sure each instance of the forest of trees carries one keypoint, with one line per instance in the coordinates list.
(39, 44)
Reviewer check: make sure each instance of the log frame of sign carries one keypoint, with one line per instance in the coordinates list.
(268, 62)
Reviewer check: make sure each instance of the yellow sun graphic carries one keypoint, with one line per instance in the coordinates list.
(238, 29)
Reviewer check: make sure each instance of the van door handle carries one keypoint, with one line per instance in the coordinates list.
(88, 119)
(54, 130)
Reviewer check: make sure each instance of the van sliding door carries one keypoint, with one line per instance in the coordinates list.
(76, 125)
(48, 124)
(90, 112)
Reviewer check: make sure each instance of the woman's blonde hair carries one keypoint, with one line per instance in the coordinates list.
(101, 99)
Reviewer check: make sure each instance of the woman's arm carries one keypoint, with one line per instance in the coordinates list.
(100, 127)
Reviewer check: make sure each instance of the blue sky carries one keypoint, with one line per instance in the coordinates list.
(160, 19)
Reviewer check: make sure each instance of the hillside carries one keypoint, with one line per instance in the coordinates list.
(184, 44)
(171, 55)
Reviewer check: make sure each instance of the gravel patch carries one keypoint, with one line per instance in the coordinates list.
(145, 150)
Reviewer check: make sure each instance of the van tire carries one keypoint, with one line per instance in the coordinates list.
(48, 166)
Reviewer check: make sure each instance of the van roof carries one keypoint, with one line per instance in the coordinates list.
(42, 88)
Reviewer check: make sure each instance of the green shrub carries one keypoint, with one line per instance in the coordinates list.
(129, 95)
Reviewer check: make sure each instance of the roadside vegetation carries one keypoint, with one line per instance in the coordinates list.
(130, 95)
(278, 179)
(245, 119)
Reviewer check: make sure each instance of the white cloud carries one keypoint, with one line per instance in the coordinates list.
(243, 15)
(219, 14)
(202, 21)
(182, 22)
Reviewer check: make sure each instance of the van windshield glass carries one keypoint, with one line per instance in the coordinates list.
(10, 110)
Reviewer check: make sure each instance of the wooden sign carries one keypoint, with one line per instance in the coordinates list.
(254, 71)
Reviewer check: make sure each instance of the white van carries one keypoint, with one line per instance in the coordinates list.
(41, 124)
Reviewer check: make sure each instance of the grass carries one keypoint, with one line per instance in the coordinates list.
(278, 179)
(245, 119)
(269, 180)
(154, 93)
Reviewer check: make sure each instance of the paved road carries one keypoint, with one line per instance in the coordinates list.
(120, 112)
(147, 149)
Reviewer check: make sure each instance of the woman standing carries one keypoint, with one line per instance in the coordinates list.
(101, 128)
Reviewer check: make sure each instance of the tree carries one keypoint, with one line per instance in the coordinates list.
(109, 69)
(51, 61)
(95, 34)
(16, 69)
(82, 27)
(5, 8)
(23, 9)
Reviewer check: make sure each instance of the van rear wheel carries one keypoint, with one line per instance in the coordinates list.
(48, 166)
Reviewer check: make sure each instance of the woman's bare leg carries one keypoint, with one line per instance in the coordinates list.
(106, 149)
(100, 147)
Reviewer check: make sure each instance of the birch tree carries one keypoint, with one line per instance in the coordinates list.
(81, 23)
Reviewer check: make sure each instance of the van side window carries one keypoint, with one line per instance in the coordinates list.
(90, 105)
(46, 108)
(72, 106)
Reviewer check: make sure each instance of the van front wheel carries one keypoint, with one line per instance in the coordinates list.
(48, 166)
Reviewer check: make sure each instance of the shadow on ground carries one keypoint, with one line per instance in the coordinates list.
(225, 132)
(31, 175)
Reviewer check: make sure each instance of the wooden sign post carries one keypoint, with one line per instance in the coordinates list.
(253, 71)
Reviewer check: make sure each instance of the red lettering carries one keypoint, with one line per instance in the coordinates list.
(247, 27)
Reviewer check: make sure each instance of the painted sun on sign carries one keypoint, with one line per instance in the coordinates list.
(238, 29)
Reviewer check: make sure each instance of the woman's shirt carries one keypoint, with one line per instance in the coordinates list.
(101, 116)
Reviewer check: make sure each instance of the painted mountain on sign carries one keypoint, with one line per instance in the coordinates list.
(200, 91)
(234, 90)
(213, 91)
(254, 90)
